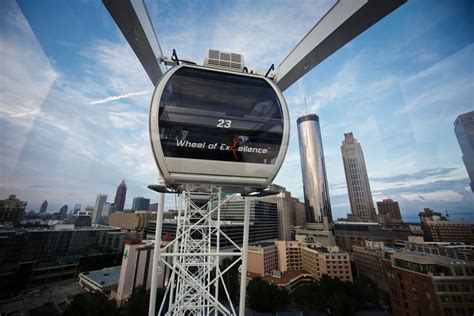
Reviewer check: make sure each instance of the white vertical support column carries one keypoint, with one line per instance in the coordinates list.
(218, 242)
(245, 247)
(156, 256)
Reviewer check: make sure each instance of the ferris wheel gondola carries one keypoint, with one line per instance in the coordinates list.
(218, 127)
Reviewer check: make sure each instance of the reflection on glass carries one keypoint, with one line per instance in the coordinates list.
(219, 116)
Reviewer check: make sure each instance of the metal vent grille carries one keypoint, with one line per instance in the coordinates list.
(224, 60)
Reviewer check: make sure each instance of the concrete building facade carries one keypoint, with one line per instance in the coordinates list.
(436, 227)
(12, 209)
(284, 203)
(98, 208)
(262, 258)
(422, 284)
(464, 130)
(389, 207)
(134, 222)
(357, 180)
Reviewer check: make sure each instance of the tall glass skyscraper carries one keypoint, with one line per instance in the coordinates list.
(140, 204)
(98, 208)
(43, 207)
(119, 201)
(360, 196)
(464, 129)
(313, 168)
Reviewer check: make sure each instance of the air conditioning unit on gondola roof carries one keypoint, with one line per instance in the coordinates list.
(224, 60)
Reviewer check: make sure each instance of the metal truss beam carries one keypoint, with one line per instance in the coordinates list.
(194, 255)
(343, 22)
(131, 16)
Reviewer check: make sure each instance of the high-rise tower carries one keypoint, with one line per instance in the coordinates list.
(360, 196)
(119, 201)
(98, 208)
(464, 129)
(43, 207)
(315, 184)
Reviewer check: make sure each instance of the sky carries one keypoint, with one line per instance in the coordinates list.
(74, 99)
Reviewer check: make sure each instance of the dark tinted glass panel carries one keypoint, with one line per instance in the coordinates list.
(217, 116)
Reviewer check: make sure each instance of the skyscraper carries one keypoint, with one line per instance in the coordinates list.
(43, 207)
(140, 204)
(389, 207)
(98, 208)
(360, 196)
(63, 212)
(119, 201)
(77, 208)
(315, 183)
(464, 129)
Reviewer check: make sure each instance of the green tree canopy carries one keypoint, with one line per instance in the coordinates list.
(91, 304)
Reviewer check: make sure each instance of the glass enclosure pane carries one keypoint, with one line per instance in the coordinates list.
(218, 116)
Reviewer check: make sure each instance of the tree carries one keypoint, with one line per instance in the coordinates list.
(265, 297)
(366, 292)
(308, 295)
(91, 304)
(138, 302)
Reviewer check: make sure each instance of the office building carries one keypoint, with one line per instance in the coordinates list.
(12, 210)
(98, 208)
(456, 250)
(357, 180)
(136, 222)
(33, 256)
(120, 196)
(424, 284)
(464, 130)
(63, 212)
(43, 207)
(284, 203)
(103, 281)
(298, 214)
(349, 234)
(140, 204)
(389, 208)
(107, 210)
(437, 227)
(369, 262)
(315, 184)
(153, 207)
(262, 258)
(136, 269)
(313, 258)
(77, 208)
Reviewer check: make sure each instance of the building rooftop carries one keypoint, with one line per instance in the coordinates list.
(103, 278)
(263, 244)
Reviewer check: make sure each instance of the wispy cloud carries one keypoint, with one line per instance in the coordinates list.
(436, 196)
(119, 97)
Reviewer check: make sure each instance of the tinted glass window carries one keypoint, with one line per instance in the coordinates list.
(218, 116)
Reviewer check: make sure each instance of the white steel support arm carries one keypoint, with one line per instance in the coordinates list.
(343, 22)
(131, 16)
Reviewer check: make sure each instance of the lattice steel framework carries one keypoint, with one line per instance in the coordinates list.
(195, 254)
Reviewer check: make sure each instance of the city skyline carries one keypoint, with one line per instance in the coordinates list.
(398, 91)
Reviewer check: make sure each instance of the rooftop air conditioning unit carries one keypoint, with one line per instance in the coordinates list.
(224, 60)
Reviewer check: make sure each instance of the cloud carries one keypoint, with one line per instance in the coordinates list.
(119, 97)
(436, 196)
(419, 175)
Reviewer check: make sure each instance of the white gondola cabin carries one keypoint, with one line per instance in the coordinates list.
(218, 127)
